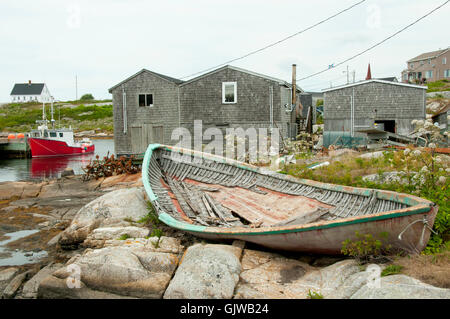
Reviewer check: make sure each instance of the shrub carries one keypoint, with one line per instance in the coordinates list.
(87, 97)
(124, 237)
(366, 248)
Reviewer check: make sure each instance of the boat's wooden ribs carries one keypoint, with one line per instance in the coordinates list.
(202, 208)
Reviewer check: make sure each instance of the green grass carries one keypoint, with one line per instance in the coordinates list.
(314, 295)
(349, 171)
(442, 85)
(151, 217)
(18, 117)
(124, 237)
(391, 270)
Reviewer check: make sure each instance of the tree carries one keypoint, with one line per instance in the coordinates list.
(86, 97)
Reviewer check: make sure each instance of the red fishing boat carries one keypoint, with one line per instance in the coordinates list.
(47, 141)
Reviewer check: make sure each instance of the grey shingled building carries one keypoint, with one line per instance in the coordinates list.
(148, 106)
(386, 105)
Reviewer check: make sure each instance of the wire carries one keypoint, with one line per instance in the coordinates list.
(275, 43)
(375, 45)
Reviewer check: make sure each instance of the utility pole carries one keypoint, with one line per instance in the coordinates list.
(76, 88)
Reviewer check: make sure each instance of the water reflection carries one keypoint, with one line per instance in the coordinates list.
(51, 167)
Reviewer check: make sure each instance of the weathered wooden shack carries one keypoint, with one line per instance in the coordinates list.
(384, 105)
(148, 106)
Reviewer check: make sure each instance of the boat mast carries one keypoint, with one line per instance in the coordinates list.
(52, 120)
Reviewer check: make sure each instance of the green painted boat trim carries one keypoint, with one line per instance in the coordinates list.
(170, 221)
(145, 166)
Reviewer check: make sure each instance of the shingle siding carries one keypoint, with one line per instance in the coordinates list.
(176, 105)
(391, 102)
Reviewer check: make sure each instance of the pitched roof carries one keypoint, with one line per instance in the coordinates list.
(180, 82)
(428, 55)
(27, 89)
(375, 80)
(281, 82)
(162, 76)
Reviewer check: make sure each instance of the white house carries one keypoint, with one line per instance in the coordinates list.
(30, 92)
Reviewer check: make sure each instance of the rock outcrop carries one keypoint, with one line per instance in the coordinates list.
(111, 209)
(136, 269)
(206, 271)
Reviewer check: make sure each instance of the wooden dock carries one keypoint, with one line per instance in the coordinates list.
(14, 148)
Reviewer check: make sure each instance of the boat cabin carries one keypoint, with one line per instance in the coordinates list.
(64, 135)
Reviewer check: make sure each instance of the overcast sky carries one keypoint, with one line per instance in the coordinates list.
(103, 42)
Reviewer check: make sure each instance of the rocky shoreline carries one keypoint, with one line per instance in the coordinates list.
(97, 246)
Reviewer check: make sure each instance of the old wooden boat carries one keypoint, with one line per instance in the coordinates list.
(217, 198)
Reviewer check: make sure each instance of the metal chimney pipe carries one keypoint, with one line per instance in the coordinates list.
(294, 84)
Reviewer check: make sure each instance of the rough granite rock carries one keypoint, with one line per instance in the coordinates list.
(6, 276)
(10, 190)
(30, 288)
(328, 280)
(108, 210)
(206, 272)
(115, 232)
(163, 244)
(401, 287)
(269, 275)
(54, 288)
(14, 285)
(128, 270)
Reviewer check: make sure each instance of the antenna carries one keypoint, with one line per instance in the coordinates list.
(52, 120)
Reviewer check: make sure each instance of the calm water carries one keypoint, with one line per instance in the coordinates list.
(18, 257)
(50, 167)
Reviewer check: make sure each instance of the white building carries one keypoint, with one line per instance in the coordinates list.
(30, 92)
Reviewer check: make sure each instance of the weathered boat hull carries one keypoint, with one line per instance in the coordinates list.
(412, 218)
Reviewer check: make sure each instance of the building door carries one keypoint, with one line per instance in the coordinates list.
(386, 125)
(137, 140)
(158, 134)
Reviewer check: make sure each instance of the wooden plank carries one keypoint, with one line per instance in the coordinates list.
(303, 219)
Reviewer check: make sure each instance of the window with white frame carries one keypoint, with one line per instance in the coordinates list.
(447, 73)
(411, 65)
(429, 74)
(229, 92)
(444, 60)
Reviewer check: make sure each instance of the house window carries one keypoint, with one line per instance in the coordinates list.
(429, 74)
(60, 134)
(145, 99)
(411, 65)
(444, 60)
(229, 92)
(52, 134)
(447, 73)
